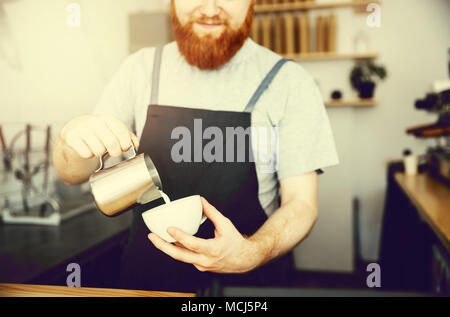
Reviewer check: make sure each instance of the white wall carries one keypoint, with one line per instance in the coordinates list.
(329, 247)
(63, 70)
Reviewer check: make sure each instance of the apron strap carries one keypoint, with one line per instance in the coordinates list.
(155, 76)
(251, 104)
(265, 84)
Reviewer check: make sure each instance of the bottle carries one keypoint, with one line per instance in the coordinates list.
(303, 23)
(256, 30)
(331, 36)
(266, 33)
(410, 162)
(289, 24)
(278, 34)
(320, 34)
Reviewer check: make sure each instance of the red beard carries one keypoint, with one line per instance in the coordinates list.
(207, 52)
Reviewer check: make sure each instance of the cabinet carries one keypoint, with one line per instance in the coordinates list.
(415, 240)
(440, 270)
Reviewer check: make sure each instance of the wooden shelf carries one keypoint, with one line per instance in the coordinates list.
(329, 56)
(309, 5)
(351, 103)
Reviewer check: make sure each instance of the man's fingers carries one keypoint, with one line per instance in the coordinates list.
(192, 243)
(214, 215)
(120, 131)
(173, 251)
(107, 137)
(78, 145)
(200, 268)
(94, 143)
(134, 139)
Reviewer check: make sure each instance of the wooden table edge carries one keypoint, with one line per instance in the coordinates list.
(32, 290)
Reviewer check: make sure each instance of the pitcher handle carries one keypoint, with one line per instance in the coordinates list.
(106, 153)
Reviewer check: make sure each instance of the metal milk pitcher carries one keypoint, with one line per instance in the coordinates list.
(119, 188)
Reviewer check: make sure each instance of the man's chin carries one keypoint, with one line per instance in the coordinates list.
(213, 33)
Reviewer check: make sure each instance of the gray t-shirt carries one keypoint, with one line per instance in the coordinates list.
(291, 108)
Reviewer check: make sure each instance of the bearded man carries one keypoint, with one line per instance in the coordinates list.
(259, 208)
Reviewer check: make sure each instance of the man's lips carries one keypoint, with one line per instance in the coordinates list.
(208, 25)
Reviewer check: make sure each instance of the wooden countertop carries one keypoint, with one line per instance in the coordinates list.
(27, 290)
(432, 200)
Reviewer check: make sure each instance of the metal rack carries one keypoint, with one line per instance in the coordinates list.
(37, 204)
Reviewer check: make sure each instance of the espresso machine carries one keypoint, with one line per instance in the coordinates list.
(437, 102)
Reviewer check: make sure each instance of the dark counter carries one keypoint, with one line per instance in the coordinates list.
(40, 254)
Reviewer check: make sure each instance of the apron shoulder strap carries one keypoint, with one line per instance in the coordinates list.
(155, 76)
(265, 84)
(251, 104)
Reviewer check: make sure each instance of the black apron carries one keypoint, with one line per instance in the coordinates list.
(231, 187)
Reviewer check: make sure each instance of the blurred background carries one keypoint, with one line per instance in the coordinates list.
(56, 56)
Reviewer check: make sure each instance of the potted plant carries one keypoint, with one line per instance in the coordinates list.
(363, 77)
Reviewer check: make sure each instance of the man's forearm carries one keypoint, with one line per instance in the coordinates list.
(286, 227)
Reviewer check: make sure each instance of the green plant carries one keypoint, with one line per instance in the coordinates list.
(366, 72)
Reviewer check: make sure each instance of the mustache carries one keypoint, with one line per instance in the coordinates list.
(206, 20)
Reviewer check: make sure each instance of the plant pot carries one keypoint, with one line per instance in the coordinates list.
(366, 90)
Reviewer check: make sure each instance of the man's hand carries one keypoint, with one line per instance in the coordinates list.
(228, 252)
(93, 135)
(85, 138)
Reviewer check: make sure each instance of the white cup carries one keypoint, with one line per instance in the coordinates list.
(185, 214)
(411, 163)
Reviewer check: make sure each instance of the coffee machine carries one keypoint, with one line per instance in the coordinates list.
(437, 101)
